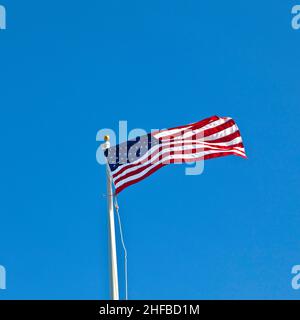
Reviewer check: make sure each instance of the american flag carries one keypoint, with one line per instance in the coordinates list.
(134, 160)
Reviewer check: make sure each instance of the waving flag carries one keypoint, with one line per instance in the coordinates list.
(134, 160)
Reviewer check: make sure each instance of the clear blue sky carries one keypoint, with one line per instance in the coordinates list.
(70, 68)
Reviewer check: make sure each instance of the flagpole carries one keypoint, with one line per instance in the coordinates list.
(113, 265)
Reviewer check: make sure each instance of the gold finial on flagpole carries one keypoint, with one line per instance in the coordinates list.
(106, 144)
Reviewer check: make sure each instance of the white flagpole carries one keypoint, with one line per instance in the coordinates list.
(113, 265)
